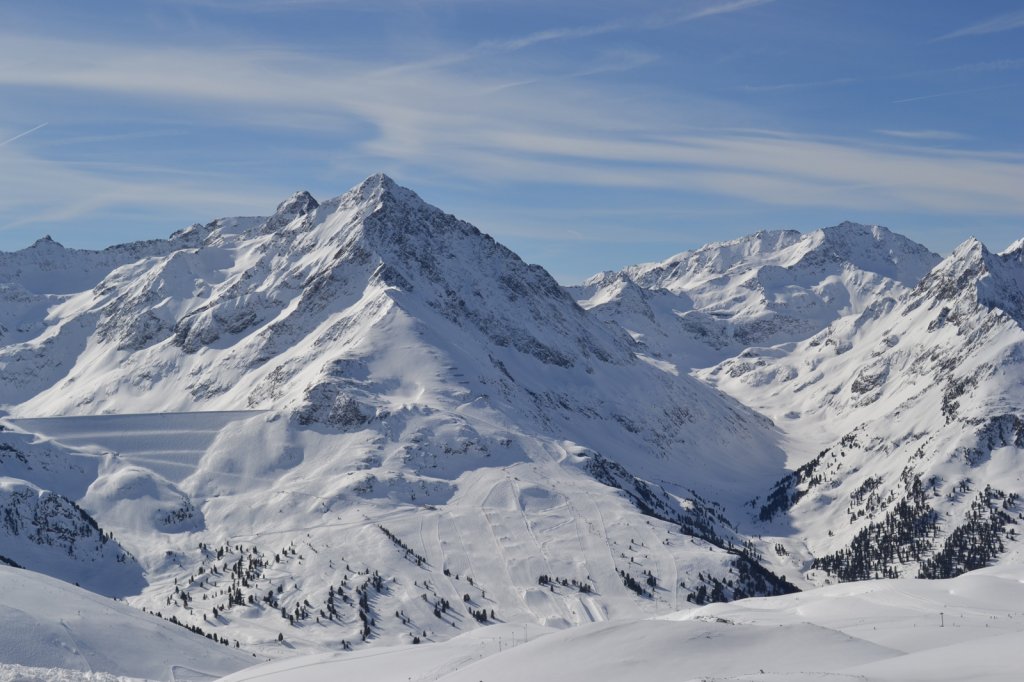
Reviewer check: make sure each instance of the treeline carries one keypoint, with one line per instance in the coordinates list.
(903, 535)
(978, 541)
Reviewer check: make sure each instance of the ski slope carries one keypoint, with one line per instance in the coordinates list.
(967, 628)
(49, 624)
(490, 509)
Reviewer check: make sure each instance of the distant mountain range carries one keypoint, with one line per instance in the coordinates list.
(704, 306)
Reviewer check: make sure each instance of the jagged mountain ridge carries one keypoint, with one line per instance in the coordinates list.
(288, 313)
(410, 384)
(348, 251)
(700, 307)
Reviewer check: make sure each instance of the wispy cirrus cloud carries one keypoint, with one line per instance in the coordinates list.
(1003, 22)
(722, 8)
(803, 85)
(923, 134)
(616, 62)
(39, 190)
(548, 35)
(649, 22)
(444, 120)
(773, 169)
(289, 5)
(21, 135)
(954, 93)
(994, 65)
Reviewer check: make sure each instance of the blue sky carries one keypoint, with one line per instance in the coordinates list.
(584, 135)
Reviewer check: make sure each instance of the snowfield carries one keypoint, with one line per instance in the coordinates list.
(48, 624)
(967, 628)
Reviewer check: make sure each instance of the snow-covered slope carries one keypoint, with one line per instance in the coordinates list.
(356, 310)
(915, 409)
(363, 419)
(344, 312)
(966, 628)
(43, 529)
(363, 422)
(51, 628)
(47, 268)
(700, 307)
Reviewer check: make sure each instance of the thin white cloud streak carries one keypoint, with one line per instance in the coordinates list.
(287, 5)
(798, 86)
(21, 135)
(771, 170)
(995, 65)
(112, 137)
(548, 35)
(441, 122)
(39, 191)
(923, 134)
(954, 93)
(724, 8)
(620, 63)
(1004, 22)
(646, 23)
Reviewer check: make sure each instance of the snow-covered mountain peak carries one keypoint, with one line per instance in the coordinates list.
(195, 232)
(973, 275)
(922, 386)
(265, 315)
(378, 180)
(970, 249)
(337, 215)
(860, 230)
(849, 235)
(959, 272)
(347, 408)
(872, 248)
(373, 363)
(710, 260)
(1016, 247)
(299, 203)
(380, 187)
(766, 288)
(374, 213)
(46, 242)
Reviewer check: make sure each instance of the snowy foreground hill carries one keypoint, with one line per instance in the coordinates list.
(969, 628)
(362, 424)
(52, 630)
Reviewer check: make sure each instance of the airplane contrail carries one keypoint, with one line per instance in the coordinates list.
(21, 135)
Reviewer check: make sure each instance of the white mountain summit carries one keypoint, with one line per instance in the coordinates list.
(366, 407)
(700, 307)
